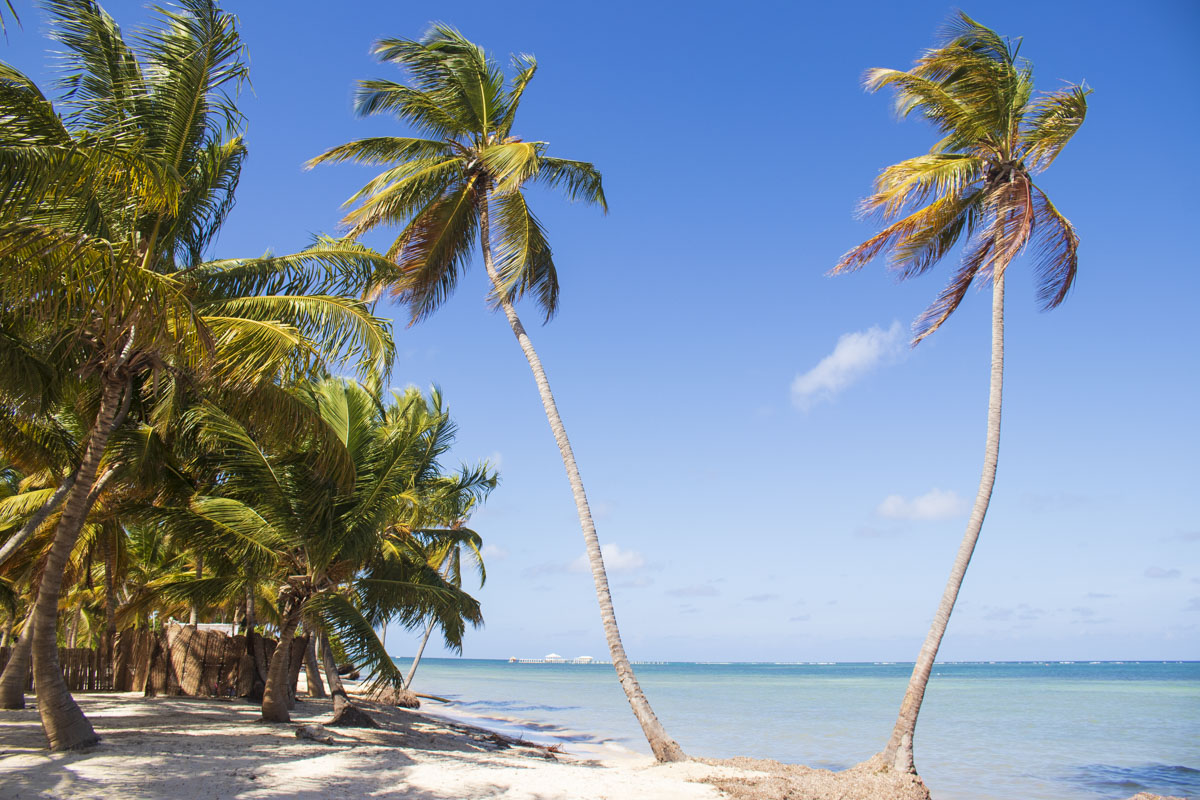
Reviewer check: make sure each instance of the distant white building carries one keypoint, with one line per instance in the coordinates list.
(583, 660)
(553, 657)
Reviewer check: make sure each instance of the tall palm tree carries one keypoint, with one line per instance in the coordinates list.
(975, 183)
(467, 180)
(106, 212)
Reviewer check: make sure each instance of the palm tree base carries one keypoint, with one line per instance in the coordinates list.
(668, 752)
(347, 715)
(67, 728)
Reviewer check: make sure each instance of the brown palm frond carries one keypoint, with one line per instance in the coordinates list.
(1057, 252)
(978, 254)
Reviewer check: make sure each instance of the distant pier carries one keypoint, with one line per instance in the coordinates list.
(557, 659)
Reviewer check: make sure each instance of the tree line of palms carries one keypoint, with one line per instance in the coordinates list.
(168, 422)
(113, 205)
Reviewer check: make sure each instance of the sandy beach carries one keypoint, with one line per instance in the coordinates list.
(172, 747)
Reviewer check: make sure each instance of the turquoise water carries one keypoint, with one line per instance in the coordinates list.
(1033, 731)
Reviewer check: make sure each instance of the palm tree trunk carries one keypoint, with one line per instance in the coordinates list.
(110, 605)
(276, 701)
(6, 637)
(65, 725)
(417, 658)
(899, 751)
(35, 522)
(16, 671)
(664, 747)
(345, 713)
(254, 647)
(312, 674)
(194, 616)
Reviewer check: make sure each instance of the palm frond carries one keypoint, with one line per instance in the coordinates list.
(524, 260)
(579, 179)
(437, 247)
(1055, 119)
(1057, 252)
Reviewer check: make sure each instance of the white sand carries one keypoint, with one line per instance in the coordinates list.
(202, 749)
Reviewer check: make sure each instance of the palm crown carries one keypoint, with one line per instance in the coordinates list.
(437, 188)
(977, 179)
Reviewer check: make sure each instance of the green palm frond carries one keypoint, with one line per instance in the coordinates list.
(338, 326)
(524, 260)
(579, 179)
(378, 150)
(357, 638)
(525, 66)
(511, 165)
(1055, 117)
(437, 247)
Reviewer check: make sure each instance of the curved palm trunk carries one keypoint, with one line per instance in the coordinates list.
(899, 751)
(417, 658)
(345, 713)
(65, 725)
(16, 671)
(665, 748)
(276, 696)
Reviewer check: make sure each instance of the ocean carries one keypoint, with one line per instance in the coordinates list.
(987, 731)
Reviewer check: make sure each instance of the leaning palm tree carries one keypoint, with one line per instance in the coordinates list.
(975, 183)
(467, 180)
(108, 205)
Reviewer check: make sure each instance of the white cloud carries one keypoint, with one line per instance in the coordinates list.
(1159, 572)
(933, 505)
(854, 355)
(493, 552)
(615, 559)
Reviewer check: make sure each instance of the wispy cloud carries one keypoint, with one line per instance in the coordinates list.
(762, 598)
(933, 505)
(492, 552)
(1159, 572)
(854, 355)
(698, 590)
(615, 559)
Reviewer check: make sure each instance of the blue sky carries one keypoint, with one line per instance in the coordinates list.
(775, 474)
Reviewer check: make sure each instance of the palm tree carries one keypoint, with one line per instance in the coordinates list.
(444, 552)
(322, 530)
(976, 181)
(459, 183)
(107, 211)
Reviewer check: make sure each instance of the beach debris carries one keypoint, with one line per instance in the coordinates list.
(314, 733)
(348, 670)
(401, 698)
